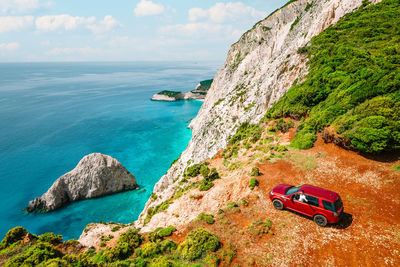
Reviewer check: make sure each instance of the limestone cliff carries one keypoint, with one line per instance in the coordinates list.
(95, 175)
(259, 69)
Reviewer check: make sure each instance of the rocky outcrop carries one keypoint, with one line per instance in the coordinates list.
(95, 175)
(259, 70)
(199, 93)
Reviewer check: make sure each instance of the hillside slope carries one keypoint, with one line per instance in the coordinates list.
(259, 69)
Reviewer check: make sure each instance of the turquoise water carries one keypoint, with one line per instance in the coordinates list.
(53, 114)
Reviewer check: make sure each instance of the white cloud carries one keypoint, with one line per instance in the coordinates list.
(73, 51)
(68, 23)
(148, 8)
(223, 12)
(15, 23)
(64, 21)
(9, 46)
(21, 6)
(103, 26)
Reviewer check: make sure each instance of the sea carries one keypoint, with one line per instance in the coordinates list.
(53, 114)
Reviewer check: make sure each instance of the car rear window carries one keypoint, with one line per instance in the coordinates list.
(332, 206)
(338, 204)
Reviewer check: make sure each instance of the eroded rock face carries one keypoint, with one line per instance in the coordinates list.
(95, 175)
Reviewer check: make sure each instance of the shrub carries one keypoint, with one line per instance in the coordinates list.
(167, 246)
(12, 236)
(35, 255)
(167, 231)
(120, 252)
(253, 183)
(205, 185)
(115, 228)
(232, 205)
(213, 174)
(204, 170)
(304, 139)
(150, 250)
(246, 131)
(208, 218)
(260, 227)
(193, 170)
(283, 126)
(132, 238)
(255, 171)
(56, 262)
(396, 167)
(197, 243)
(51, 238)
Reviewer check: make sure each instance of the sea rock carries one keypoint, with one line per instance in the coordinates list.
(199, 93)
(95, 175)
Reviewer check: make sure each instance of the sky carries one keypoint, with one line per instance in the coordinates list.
(125, 30)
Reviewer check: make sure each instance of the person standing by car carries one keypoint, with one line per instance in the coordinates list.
(302, 197)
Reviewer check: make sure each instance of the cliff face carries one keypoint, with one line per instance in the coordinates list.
(259, 69)
(95, 175)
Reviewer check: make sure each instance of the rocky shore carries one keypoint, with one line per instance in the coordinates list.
(95, 175)
(199, 93)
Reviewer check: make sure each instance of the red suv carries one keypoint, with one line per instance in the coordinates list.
(322, 205)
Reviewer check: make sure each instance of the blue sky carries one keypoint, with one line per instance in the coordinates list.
(122, 30)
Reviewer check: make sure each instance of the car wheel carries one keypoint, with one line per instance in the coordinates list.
(320, 220)
(277, 204)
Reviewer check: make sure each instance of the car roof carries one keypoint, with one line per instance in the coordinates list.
(319, 192)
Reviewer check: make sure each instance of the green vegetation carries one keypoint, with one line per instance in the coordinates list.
(169, 93)
(197, 243)
(247, 131)
(309, 6)
(14, 235)
(255, 171)
(208, 218)
(115, 228)
(295, 23)
(51, 238)
(281, 125)
(253, 183)
(265, 28)
(205, 85)
(34, 255)
(396, 167)
(260, 227)
(353, 83)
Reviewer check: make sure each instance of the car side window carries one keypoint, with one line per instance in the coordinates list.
(313, 201)
(296, 197)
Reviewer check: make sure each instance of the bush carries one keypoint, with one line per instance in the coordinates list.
(208, 218)
(115, 228)
(120, 252)
(253, 183)
(167, 246)
(255, 171)
(193, 170)
(150, 250)
(167, 231)
(12, 236)
(132, 238)
(281, 125)
(304, 139)
(247, 131)
(260, 227)
(197, 243)
(51, 238)
(35, 255)
(205, 185)
(56, 262)
(204, 170)
(213, 174)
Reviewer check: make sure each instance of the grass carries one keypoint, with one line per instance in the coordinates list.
(304, 162)
(396, 167)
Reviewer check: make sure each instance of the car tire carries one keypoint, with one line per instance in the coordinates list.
(278, 204)
(320, 220)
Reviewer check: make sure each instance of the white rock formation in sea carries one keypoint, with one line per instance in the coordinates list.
(95, 175)
(259, 69)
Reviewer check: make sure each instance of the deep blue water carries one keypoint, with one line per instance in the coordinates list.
(53, 114)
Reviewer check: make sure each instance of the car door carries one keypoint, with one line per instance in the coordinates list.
(306, 208)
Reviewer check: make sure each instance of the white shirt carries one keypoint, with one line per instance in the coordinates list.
(303, 198)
